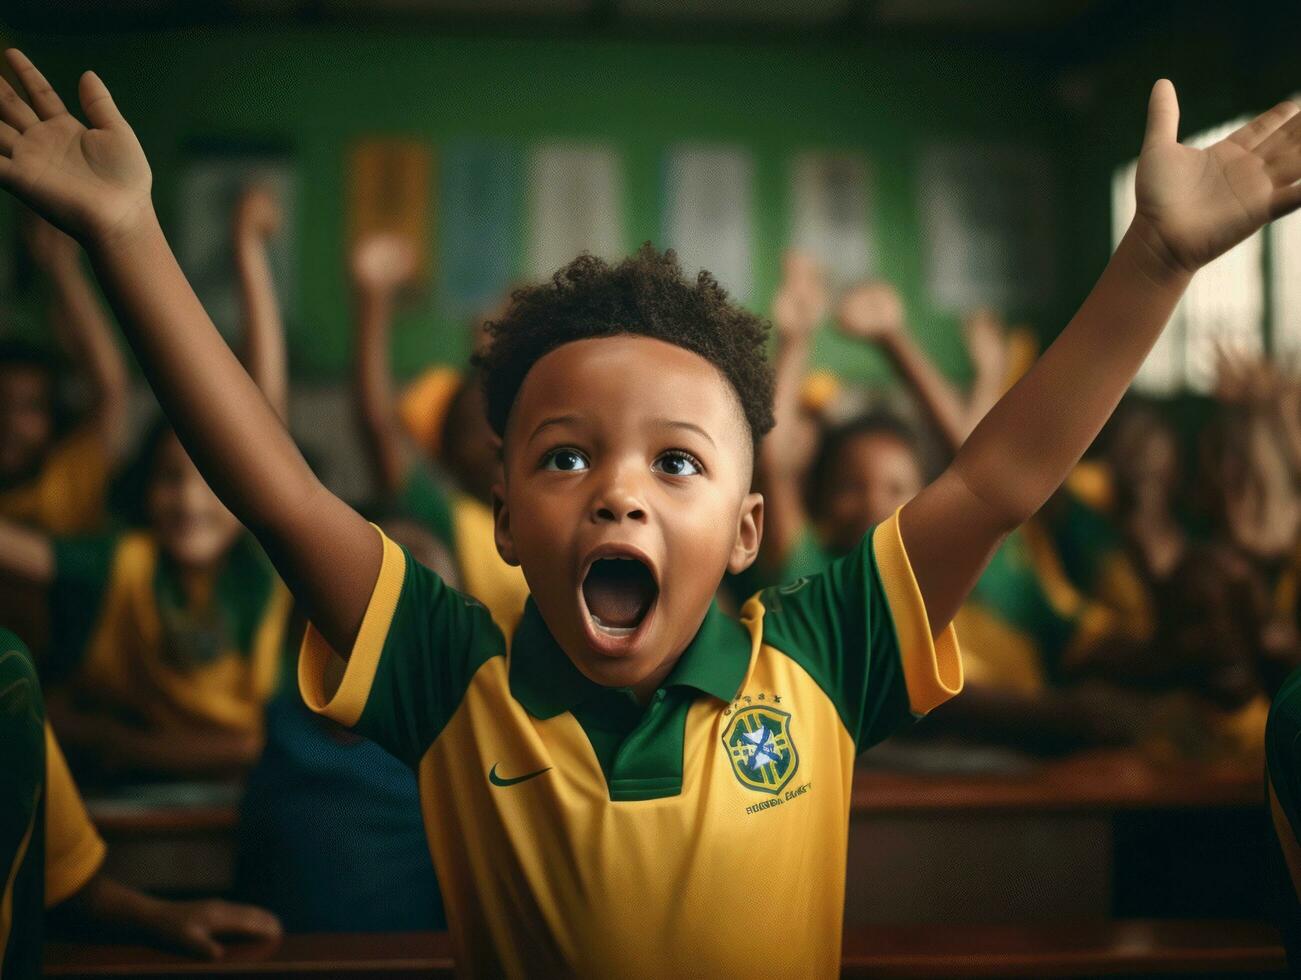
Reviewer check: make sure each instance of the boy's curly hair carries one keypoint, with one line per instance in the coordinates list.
(646, 294)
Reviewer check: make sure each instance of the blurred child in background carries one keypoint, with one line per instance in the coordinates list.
(167, 638)
(52, 856)
(461, 515)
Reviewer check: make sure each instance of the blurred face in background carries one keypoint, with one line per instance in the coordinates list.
(471, 450)
(1145, 460)
(26, 421)
(193, 527)
(872, 476)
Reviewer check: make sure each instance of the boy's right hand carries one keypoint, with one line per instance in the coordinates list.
(93, 183)
(871, 312)
(381, 263)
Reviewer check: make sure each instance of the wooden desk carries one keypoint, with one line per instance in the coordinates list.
(1073, 950)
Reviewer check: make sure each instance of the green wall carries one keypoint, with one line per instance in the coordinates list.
(318, 90)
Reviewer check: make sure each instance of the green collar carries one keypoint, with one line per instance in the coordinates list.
(545, 681)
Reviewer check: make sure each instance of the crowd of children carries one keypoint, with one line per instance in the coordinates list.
(679, 543)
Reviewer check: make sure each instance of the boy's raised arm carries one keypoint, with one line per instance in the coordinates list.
(1193, 205)
(873, 312)
(257, 218)
(798, 308)
(85, 332)
(378, 267)
(95, 184)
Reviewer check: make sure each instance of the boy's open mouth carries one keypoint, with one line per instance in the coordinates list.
(619, 590)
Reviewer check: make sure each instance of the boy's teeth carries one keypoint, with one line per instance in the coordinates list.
(612, 630)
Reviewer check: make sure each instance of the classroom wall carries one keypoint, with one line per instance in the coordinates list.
(320, 89)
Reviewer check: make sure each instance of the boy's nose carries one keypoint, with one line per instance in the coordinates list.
(618, 503)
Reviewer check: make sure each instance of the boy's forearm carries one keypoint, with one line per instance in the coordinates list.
(939, 399)
(91, 345)
(264, 335)
(1029, 441)
(373, 383)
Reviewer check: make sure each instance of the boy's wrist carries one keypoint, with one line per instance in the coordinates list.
(1144, 249)
(137, 227)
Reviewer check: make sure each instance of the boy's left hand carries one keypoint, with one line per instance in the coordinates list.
(1194, 205)
(196, 925)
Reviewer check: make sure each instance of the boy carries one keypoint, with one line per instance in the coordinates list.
(702, 810)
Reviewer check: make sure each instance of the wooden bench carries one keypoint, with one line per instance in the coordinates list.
(1136, 947)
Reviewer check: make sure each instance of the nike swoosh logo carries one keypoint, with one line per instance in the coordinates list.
(502, 781)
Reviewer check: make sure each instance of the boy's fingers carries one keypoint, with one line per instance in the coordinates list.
(8, 139)
(1286, 169)
(1252, 134)
(13, 110)
(1284, 141)
(1285, 200)
(1162, 114)
(44, 99)
(96, 102)
(243, 920)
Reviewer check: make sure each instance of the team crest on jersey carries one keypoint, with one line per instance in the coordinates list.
(761, 749)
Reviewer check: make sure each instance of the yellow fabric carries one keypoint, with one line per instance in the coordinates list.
(1091, 482)
(423, 405)
(820, 389)
(1122, 607)
(67, 496)
(932, 666)
(996, 654)
(484, 575)
(74, 850)
(549, 877)
(126, 664)
(345, 704)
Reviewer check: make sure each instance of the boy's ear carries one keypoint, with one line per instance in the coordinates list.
(501, 525)
(749, 533)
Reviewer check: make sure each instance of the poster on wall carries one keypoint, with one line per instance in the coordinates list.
(212, 179)
(478, 237)
(707, 213)
(390, 191)
(575, 205)
(830, 214)
(987, 217)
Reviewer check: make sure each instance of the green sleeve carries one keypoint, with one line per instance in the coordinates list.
(419, 645)
(82, 567)
(423, 498)
(438, 640)
(22, 824)
(836, 624)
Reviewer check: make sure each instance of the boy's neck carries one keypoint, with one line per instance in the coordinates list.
(644, 689)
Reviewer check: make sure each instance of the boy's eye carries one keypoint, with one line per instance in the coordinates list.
(678, 464)
(564, 461)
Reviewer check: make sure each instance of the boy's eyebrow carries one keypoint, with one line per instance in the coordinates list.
(680, 424)
(553, 420)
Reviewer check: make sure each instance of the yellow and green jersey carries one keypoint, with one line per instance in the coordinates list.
(1018, 621)
(576, 832)
(49, 848)
(67, 495)
(465, 525)
(127, 635)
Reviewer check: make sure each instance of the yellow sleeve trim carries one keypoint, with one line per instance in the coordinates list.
(346, 703)
(932, 668)
(74, 850)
